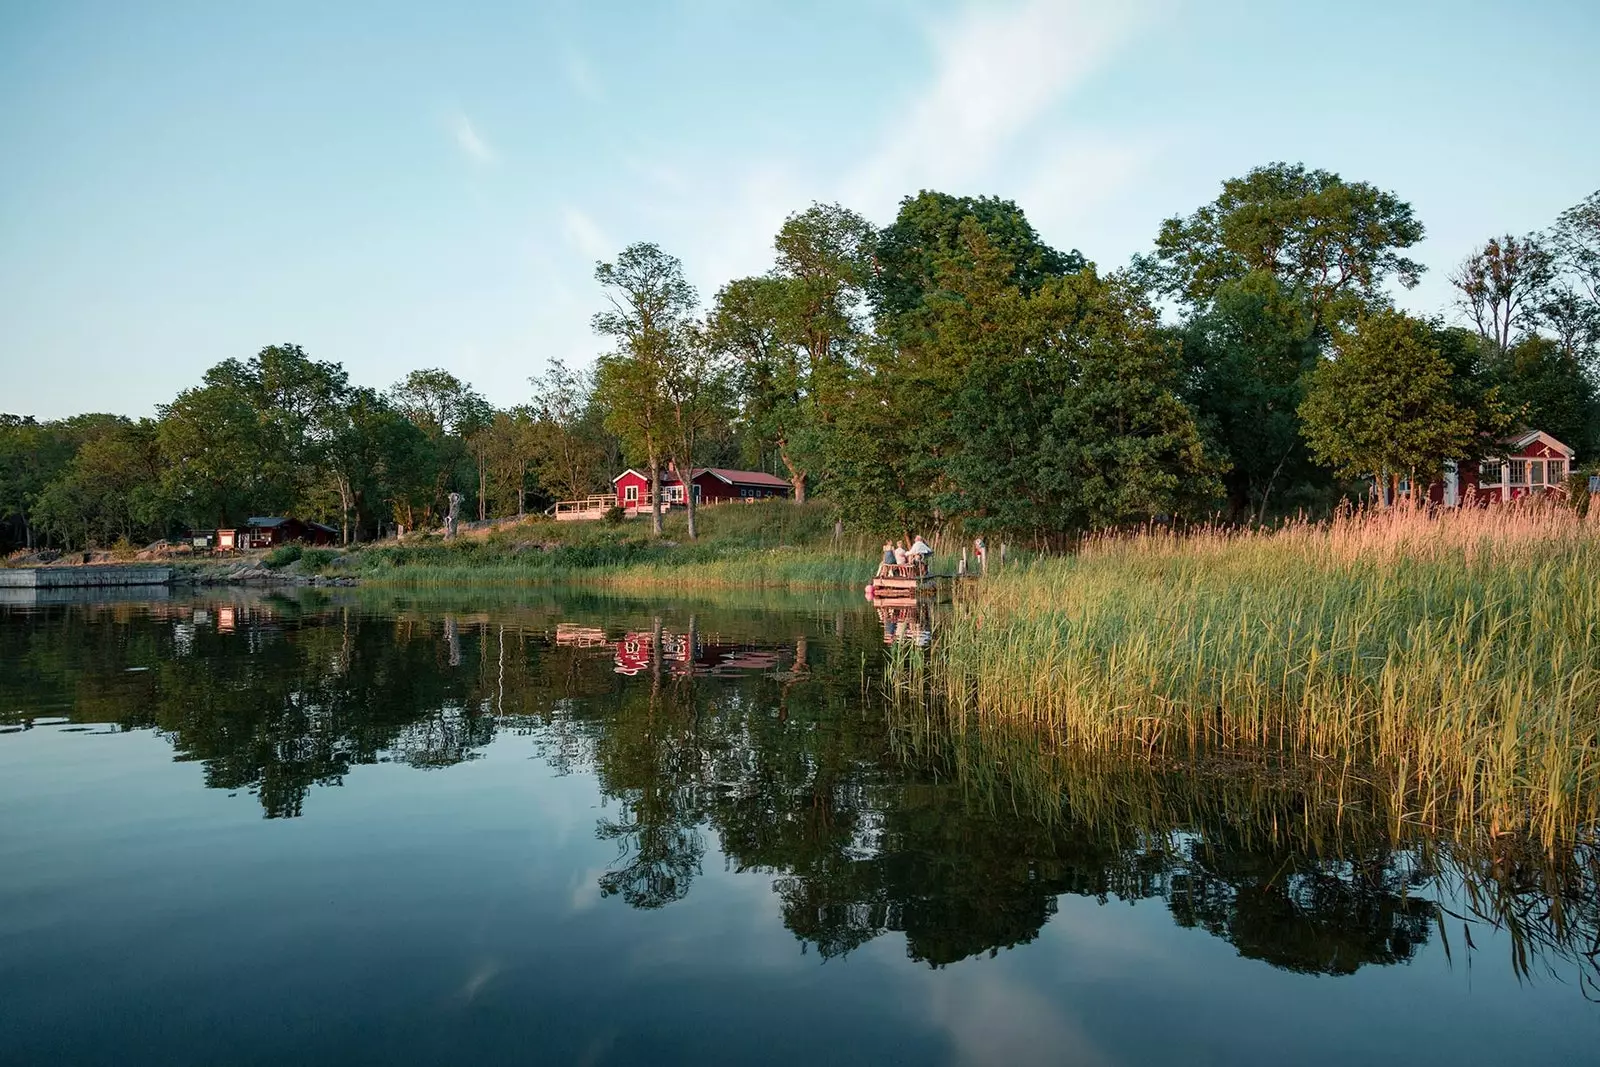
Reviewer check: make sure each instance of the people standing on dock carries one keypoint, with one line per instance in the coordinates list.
(981, 550)
(920, 553)
(900, 554)
(888, 559)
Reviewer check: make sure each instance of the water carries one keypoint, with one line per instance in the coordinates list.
(503, 829)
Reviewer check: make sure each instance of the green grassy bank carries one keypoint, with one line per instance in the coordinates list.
(768, 545)
(1453, 663)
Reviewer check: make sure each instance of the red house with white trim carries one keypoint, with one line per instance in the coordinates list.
(1532, 462)
(710, 485)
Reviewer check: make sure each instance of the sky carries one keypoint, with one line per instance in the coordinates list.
(400, 185)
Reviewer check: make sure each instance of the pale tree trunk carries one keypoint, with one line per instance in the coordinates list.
(482, 487)
(655, 493)
(688, 501)
(344, 508)
(797, 477)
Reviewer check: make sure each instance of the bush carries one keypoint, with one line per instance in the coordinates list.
(281, 556)
(317, 559)
(614, 515)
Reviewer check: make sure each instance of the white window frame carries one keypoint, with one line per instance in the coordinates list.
(630, 494)
(1519, 472)
(1536, 472)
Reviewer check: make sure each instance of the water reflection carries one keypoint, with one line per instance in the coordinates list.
(760, 736)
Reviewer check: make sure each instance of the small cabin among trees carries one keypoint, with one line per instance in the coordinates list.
(710, 485)
(269, 531)
(1531, 463)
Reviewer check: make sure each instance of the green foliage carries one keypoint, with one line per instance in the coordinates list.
(926, 236)
(614, 515)
(1385, 406)
(282, 556)
(1334, 243)
(315, 560)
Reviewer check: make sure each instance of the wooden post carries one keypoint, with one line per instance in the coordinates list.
(1002, 555)
(961, 568)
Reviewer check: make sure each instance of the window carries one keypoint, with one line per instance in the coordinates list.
(1536, 472)
(675, 494)
(1557, 471)
(1519, 472)
(696, 492)
(630, 494)
(1490, 472)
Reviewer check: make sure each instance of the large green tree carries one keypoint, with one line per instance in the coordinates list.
(926, 235)
(795, 333)
(1385, 406)
(1337, 243)
(649, 319)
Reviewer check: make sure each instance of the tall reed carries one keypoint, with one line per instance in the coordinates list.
(1452, 660)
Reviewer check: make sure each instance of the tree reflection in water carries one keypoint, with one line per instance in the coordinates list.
(762, 735)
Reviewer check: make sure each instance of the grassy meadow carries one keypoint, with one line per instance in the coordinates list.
(1448, 665)
(766, 545)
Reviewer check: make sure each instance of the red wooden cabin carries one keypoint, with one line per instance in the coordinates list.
(1532, 462)
(710, 485)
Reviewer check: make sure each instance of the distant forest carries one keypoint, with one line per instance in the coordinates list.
(947, 370)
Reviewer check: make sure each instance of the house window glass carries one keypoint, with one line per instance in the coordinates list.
(1519, 472)
(1557, 471)
(1535, 472)
(1489, 473)
(631, 494)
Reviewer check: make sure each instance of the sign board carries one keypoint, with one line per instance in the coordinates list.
(1594, 483)
(202, 542)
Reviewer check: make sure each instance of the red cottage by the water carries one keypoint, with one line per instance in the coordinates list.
(1532, 462)
(711, 485)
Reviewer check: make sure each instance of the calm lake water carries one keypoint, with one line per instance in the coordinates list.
(558, 828)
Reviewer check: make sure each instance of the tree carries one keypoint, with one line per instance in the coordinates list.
(1547, 388)
(1502, 287)
(211, 442)
(1335, 242)
(1247, 356)
(796, 330)
(695, 388)
(1571, 304)
(650, 314)
(1384, 405)
(109, 490)
(565, 451)
(449, 412)
(926, 235)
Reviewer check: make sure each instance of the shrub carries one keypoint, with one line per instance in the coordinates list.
(614, 515)
(316, 559)
(282, 556)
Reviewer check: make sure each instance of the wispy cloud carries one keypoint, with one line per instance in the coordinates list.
(585, 235)
(997, 72)
(471, 142)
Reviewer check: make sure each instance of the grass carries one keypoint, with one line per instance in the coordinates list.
(1450, 663)
(775, 545)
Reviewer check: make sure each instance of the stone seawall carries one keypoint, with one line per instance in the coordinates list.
(82, 577)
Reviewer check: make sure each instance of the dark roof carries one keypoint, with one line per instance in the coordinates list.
(733, 477)
(266, 521)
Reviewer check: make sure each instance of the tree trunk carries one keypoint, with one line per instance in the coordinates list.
(797, 477)
(689, 502)
(655, 494)
(482, 486)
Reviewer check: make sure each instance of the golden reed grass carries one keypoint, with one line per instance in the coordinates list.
(1450, 661)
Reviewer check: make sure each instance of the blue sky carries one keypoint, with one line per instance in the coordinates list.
(397, 185)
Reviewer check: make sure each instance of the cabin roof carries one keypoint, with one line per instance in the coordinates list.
(1523, 440)
(266, 522)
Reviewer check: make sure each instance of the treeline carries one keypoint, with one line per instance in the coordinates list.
(947, 369)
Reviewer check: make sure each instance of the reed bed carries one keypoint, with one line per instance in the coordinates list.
(1450, 661)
